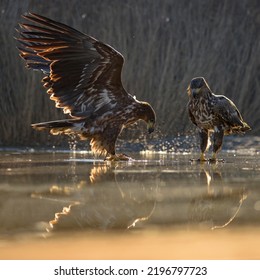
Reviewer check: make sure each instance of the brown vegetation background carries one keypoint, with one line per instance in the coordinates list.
(165, 44)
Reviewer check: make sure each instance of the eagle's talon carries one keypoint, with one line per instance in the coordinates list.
(214, 160)
(202, 158)
(198, 160)
(120, 157)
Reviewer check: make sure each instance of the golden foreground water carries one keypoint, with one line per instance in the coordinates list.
(63, 205)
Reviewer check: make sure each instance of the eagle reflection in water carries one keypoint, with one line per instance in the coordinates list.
(219, 205)
(118, 204)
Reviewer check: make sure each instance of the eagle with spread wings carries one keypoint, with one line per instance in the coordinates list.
(212, 114)
(83, 76)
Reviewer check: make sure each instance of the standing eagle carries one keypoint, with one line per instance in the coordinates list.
(83, 76)
(212, 114)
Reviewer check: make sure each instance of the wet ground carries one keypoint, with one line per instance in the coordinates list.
(67, 205)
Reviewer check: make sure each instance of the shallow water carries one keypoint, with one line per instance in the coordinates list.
(68, 199)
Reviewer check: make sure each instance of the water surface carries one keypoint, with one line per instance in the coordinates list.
(71, 205)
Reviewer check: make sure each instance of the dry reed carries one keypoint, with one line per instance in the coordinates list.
(165, 44)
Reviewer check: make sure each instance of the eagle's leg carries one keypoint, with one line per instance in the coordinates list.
(217, 142)
(204, 140)
(110, 145)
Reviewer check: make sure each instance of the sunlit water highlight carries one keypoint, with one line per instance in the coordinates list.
(48, 194)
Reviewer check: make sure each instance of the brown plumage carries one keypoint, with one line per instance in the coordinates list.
(212, 114)
(83, 76)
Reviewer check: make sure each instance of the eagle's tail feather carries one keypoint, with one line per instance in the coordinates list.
(68, 126)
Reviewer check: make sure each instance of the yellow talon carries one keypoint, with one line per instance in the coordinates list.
(202, 157)
(214, 157)
(118, 158)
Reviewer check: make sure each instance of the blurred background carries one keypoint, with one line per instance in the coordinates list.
(165, 44)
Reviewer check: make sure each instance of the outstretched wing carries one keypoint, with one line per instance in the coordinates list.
(225, 109)
(82, 74)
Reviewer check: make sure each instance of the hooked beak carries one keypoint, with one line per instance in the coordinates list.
(150, 127)
(188, 90)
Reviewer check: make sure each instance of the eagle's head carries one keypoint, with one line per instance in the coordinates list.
(147, 114)
(198, 87)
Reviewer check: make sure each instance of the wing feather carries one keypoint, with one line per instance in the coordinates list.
(78, 68)
(227, 111)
